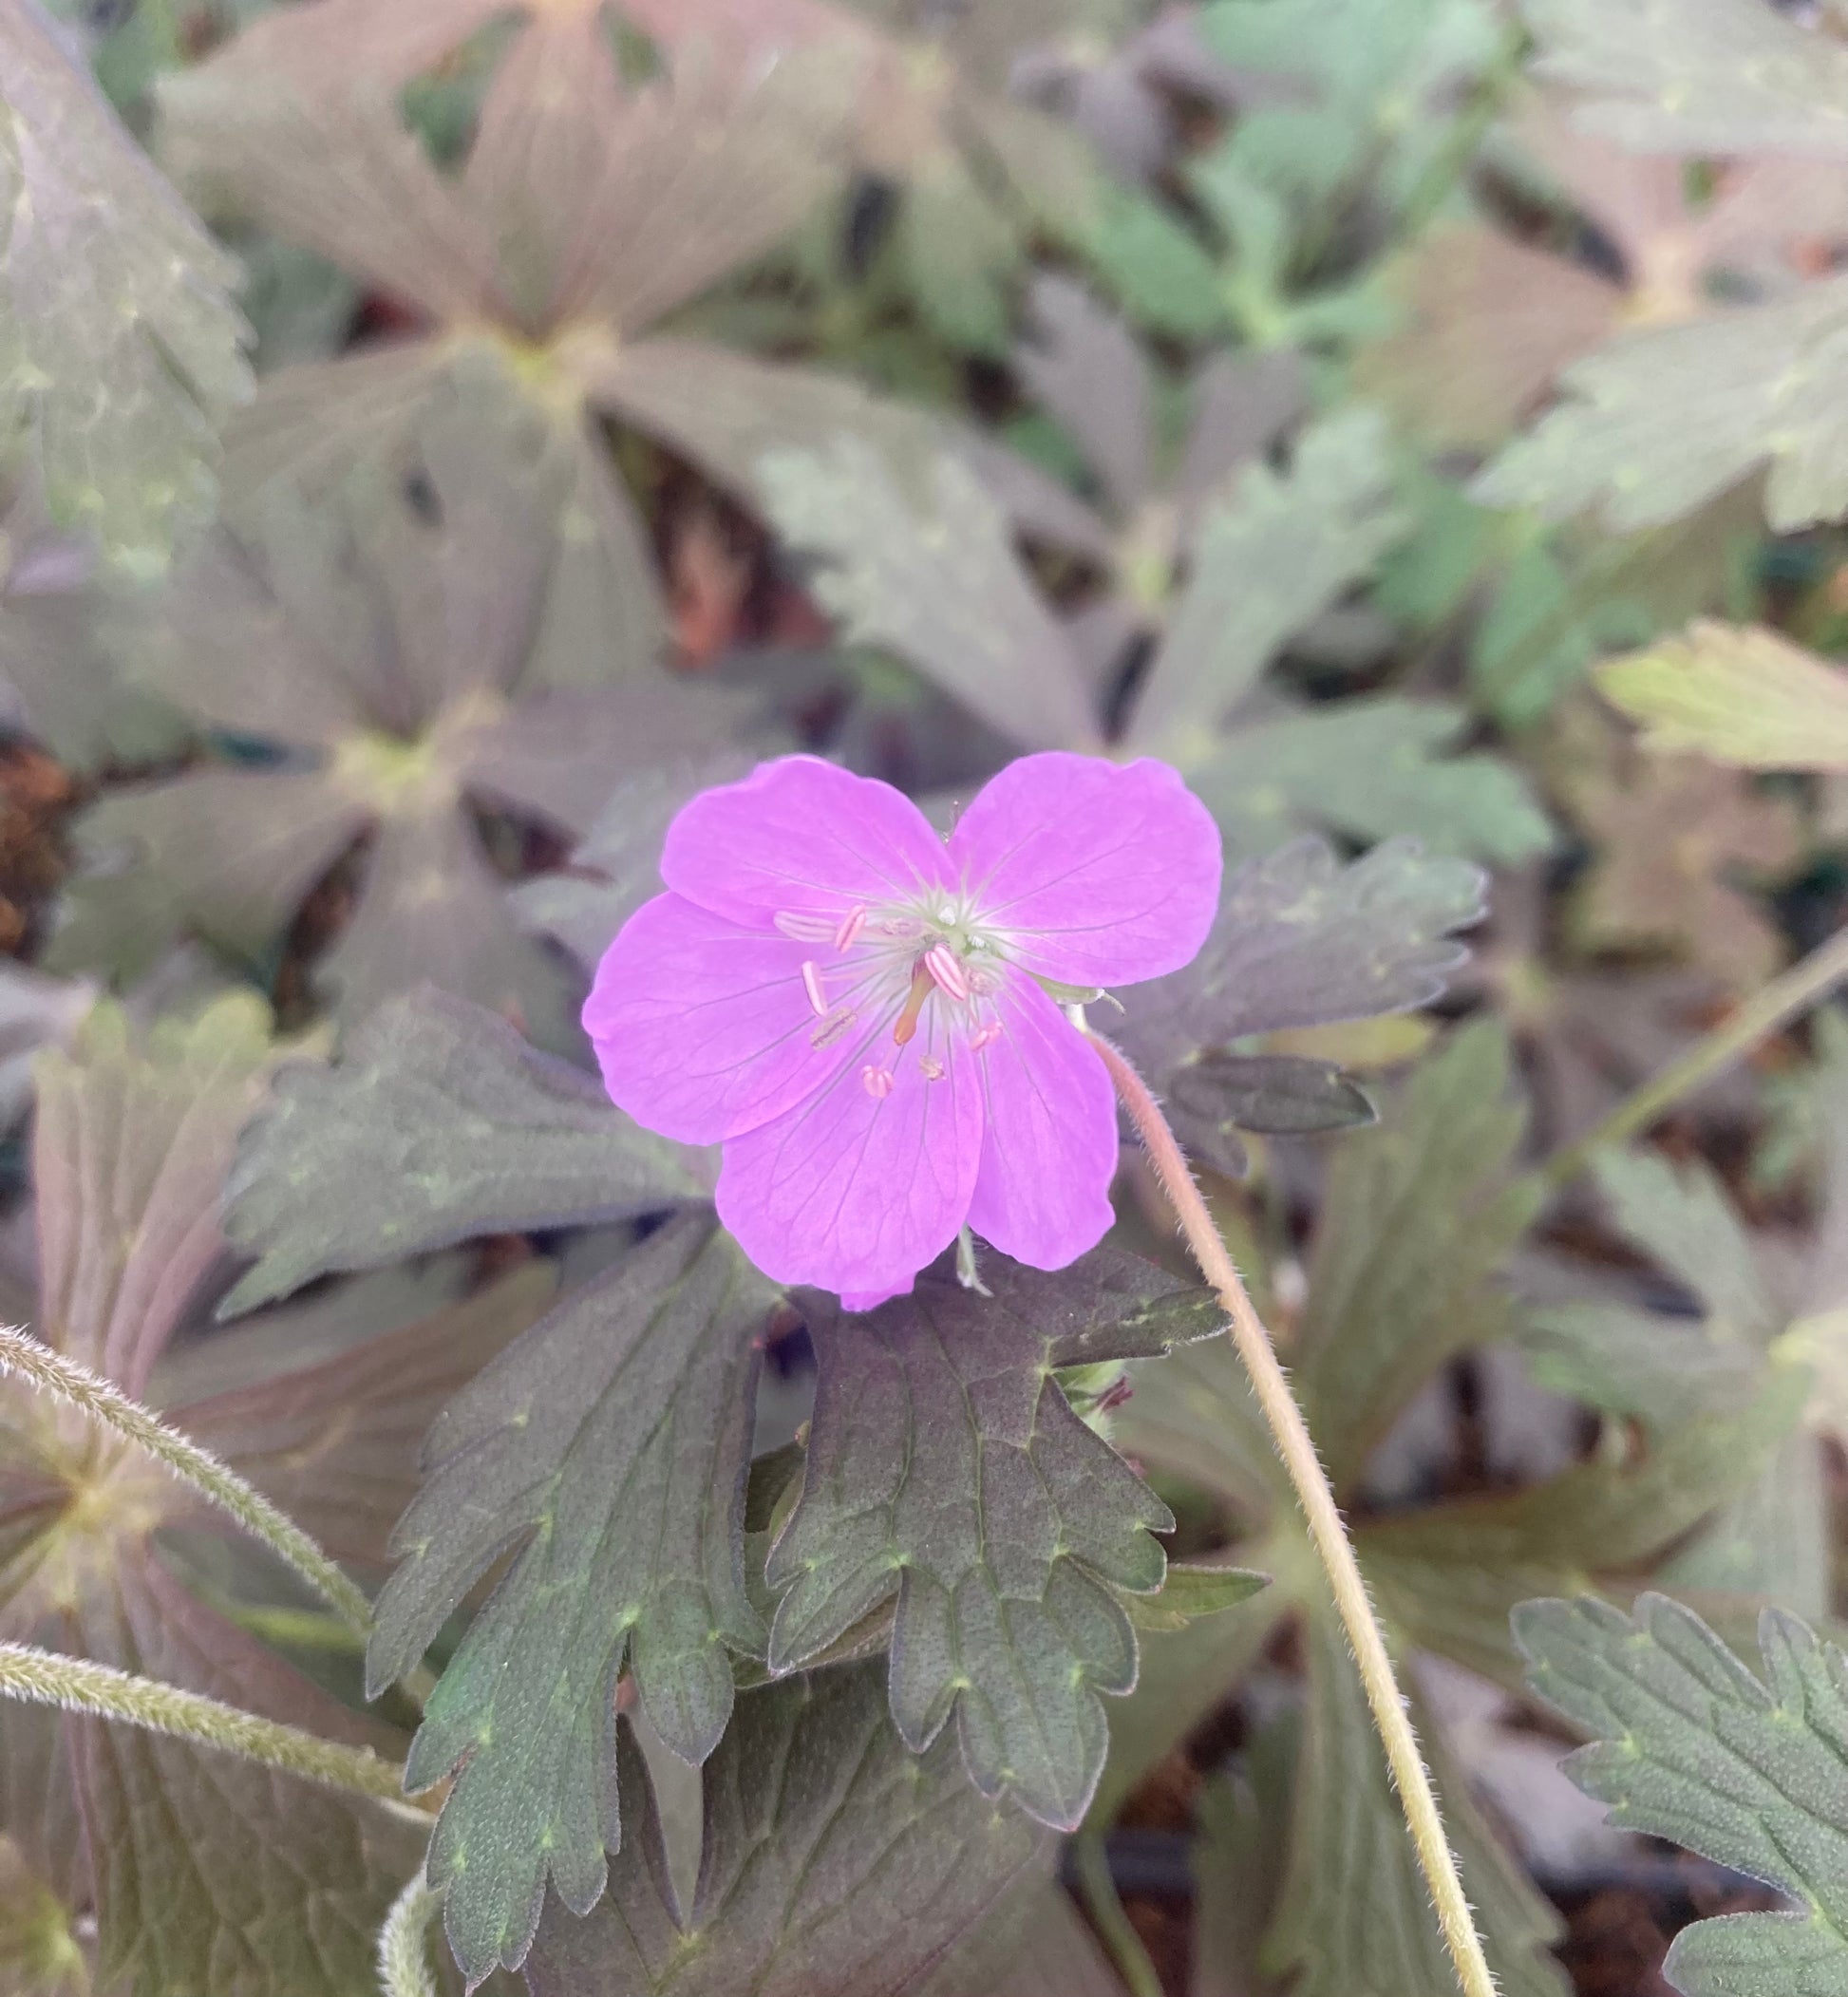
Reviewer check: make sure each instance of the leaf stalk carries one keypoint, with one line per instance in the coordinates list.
(78, 1685)
(102, 1401)
(1327, 1532)
(404, 1942)
(1793, 991)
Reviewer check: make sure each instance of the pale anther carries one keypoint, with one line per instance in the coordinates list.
(832, 1028)
(850, 928)
(877, 1081)
(800, 928)
(812, 984)
(932, 1070)
(946, 968)
(987, 1037)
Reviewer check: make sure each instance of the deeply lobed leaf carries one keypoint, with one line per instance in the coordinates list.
(946, 1466)
(440, 1124)
(1688, 1743)
(607, 1451)
(835, 1864)
(120, 351)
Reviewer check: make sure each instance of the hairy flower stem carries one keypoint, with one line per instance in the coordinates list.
(1330, 1535)
(404, 1947)
(37, 1365)
(1788, 995)
(45, 1678)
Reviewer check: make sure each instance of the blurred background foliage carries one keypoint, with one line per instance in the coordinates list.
(440, 436)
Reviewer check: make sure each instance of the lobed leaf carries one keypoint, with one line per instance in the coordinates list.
(1696, 76)
(1419, 1214)
(1302, 939)
(1740, 693)
(835, 1864)
(130, 1150)
(440, 1124)
(1663, 419)
(1688, 1743)
(945, 1466)
(1374, 767)
(207, 1878)
(1267, 558)
(928, 572)
(120, 351)
(607, 1451)
(1354, 1916)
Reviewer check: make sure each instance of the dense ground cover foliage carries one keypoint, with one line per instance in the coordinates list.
(704, 702)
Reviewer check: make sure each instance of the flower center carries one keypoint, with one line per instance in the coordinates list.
(874, 964)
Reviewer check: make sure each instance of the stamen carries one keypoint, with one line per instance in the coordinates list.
(801, 927)
(877, 1081)
(947, 968)
(922, 987)
(832, 1028)
(850, 928)
(812, 984)
(987, 1037)
(932, 1070)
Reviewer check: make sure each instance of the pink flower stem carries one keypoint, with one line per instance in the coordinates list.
(1334, 1549)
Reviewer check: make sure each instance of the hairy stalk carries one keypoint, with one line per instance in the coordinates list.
(403, 1949)
(45, 1678)
(1792, 992)
(1113, 1925)
(1330, 1535)
(104, 1403)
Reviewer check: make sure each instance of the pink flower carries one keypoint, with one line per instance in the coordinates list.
(857, 1009)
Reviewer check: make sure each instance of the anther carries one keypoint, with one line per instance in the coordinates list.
(947, 968)
(812, 984)
(800, 928)
(877, 1081)
(853, 922)
(987, 1037)
(932, 1070)
(832, 1028)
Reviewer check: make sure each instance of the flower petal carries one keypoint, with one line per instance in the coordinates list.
(703, 1027)
(1102, 873)
(854, 1192)
(1049, 1147)
(800, 838)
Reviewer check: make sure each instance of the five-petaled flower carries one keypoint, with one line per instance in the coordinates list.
(858, 1008)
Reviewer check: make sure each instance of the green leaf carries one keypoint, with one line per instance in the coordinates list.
(40, 1952)
(1191, 1591)
(1303, 939)
(1419, 1214)
(1739, 693)
(1374, 767)
(946, 1466)
(1354, 1916)
(220, 1879)
(925, 569)
(1034, 1944)
(1689, 1745)
(1696, 76)
(618, 866)
(1275, 1095)
(1663, 419)
(120, 351)
(439, 1123)
(835, 1865)
(610, 1445)
(1158, 271)
(1267, 559)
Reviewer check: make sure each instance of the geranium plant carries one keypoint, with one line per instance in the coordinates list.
(784, 1206)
